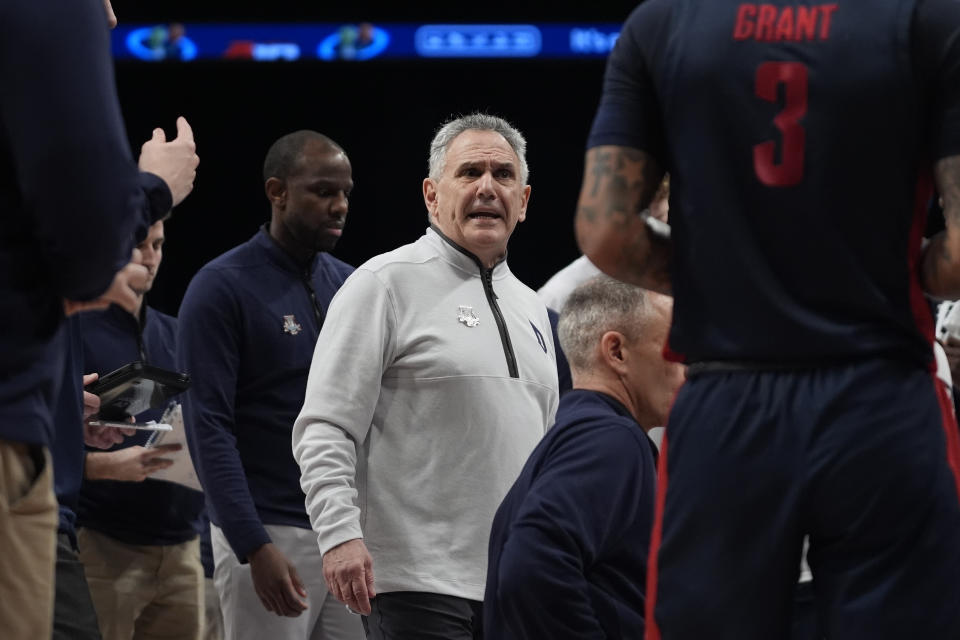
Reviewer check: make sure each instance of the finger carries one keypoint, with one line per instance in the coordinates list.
(125, 432)
(360, 595)
(91, 404)
(100, 437)
(295, 605)
(165, 448)
(157, 464)
(90, 377)
(158, 135)
(287, 607)
(368, 574)
(137, 275)
(337, 592)
(184, 130)
(270, 604)
(297, 582)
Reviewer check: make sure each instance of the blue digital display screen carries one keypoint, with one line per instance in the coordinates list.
(360, 41)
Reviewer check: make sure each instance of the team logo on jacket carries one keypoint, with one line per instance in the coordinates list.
(536, 332)
(466, 315)
(291, 326)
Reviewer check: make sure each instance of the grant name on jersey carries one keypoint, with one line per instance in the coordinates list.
(770, 23)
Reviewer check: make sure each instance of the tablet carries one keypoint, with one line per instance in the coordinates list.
(136, 387)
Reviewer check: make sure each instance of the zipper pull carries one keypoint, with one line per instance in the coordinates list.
(488, 282)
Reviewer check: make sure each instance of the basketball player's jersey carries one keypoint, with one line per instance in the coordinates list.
(799, 138)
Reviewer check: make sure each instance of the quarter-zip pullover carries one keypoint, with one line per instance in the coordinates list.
(248, 325)
(434, 380)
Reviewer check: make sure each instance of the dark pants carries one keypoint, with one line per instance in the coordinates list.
(74, 617)
(412, 615)
(861, 457)
(806, 624)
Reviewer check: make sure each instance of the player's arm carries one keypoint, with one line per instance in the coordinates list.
(936, 53)
(619, 184)
(940, 270)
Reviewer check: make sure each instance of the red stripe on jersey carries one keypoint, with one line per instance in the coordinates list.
(672, 356)
(653, 631)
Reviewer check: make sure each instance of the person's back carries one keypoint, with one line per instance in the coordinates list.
(799, 138)
(796, 137)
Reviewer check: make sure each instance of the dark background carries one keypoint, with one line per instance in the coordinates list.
(383, 113)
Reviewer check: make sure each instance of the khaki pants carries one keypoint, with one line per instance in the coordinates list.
(144, 592)
(213, 616)
(28, 533)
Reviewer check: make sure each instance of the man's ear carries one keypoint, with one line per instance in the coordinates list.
(276, 190)
(612, 344)
(524, 201)
(430, 197)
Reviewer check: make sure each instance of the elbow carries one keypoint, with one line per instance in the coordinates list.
(940, 266)
(601, 246)
(592, 240)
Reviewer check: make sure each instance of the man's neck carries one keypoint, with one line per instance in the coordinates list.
(301, 255)
(613, 388)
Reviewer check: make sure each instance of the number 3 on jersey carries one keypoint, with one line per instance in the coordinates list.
(789, 171)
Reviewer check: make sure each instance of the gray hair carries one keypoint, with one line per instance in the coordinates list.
(477, 122)
(601, 304)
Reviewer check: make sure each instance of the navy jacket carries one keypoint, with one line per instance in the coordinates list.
(71, 197)
(568, 547)
(152, 512)
(248, 326)
(65, 363)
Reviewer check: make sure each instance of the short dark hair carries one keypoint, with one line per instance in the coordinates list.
(281, 160)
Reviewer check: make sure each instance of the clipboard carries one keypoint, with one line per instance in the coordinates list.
(136, 387)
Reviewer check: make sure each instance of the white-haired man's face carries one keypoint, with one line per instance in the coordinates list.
(479, 199)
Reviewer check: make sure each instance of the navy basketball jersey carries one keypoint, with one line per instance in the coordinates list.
(799, 138)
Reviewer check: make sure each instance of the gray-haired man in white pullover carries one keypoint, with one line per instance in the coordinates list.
(434, 377)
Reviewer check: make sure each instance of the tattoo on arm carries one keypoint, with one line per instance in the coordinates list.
(619, 183)
(624, 181)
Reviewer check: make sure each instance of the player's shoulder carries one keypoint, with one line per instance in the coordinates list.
(647, 14)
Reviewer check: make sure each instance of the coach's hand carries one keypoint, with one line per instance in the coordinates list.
(348, 570)
(175, 161)
(276, 582)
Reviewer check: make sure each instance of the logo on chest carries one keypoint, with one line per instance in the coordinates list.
(540, 339)
(291, 326)
(466, 315)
